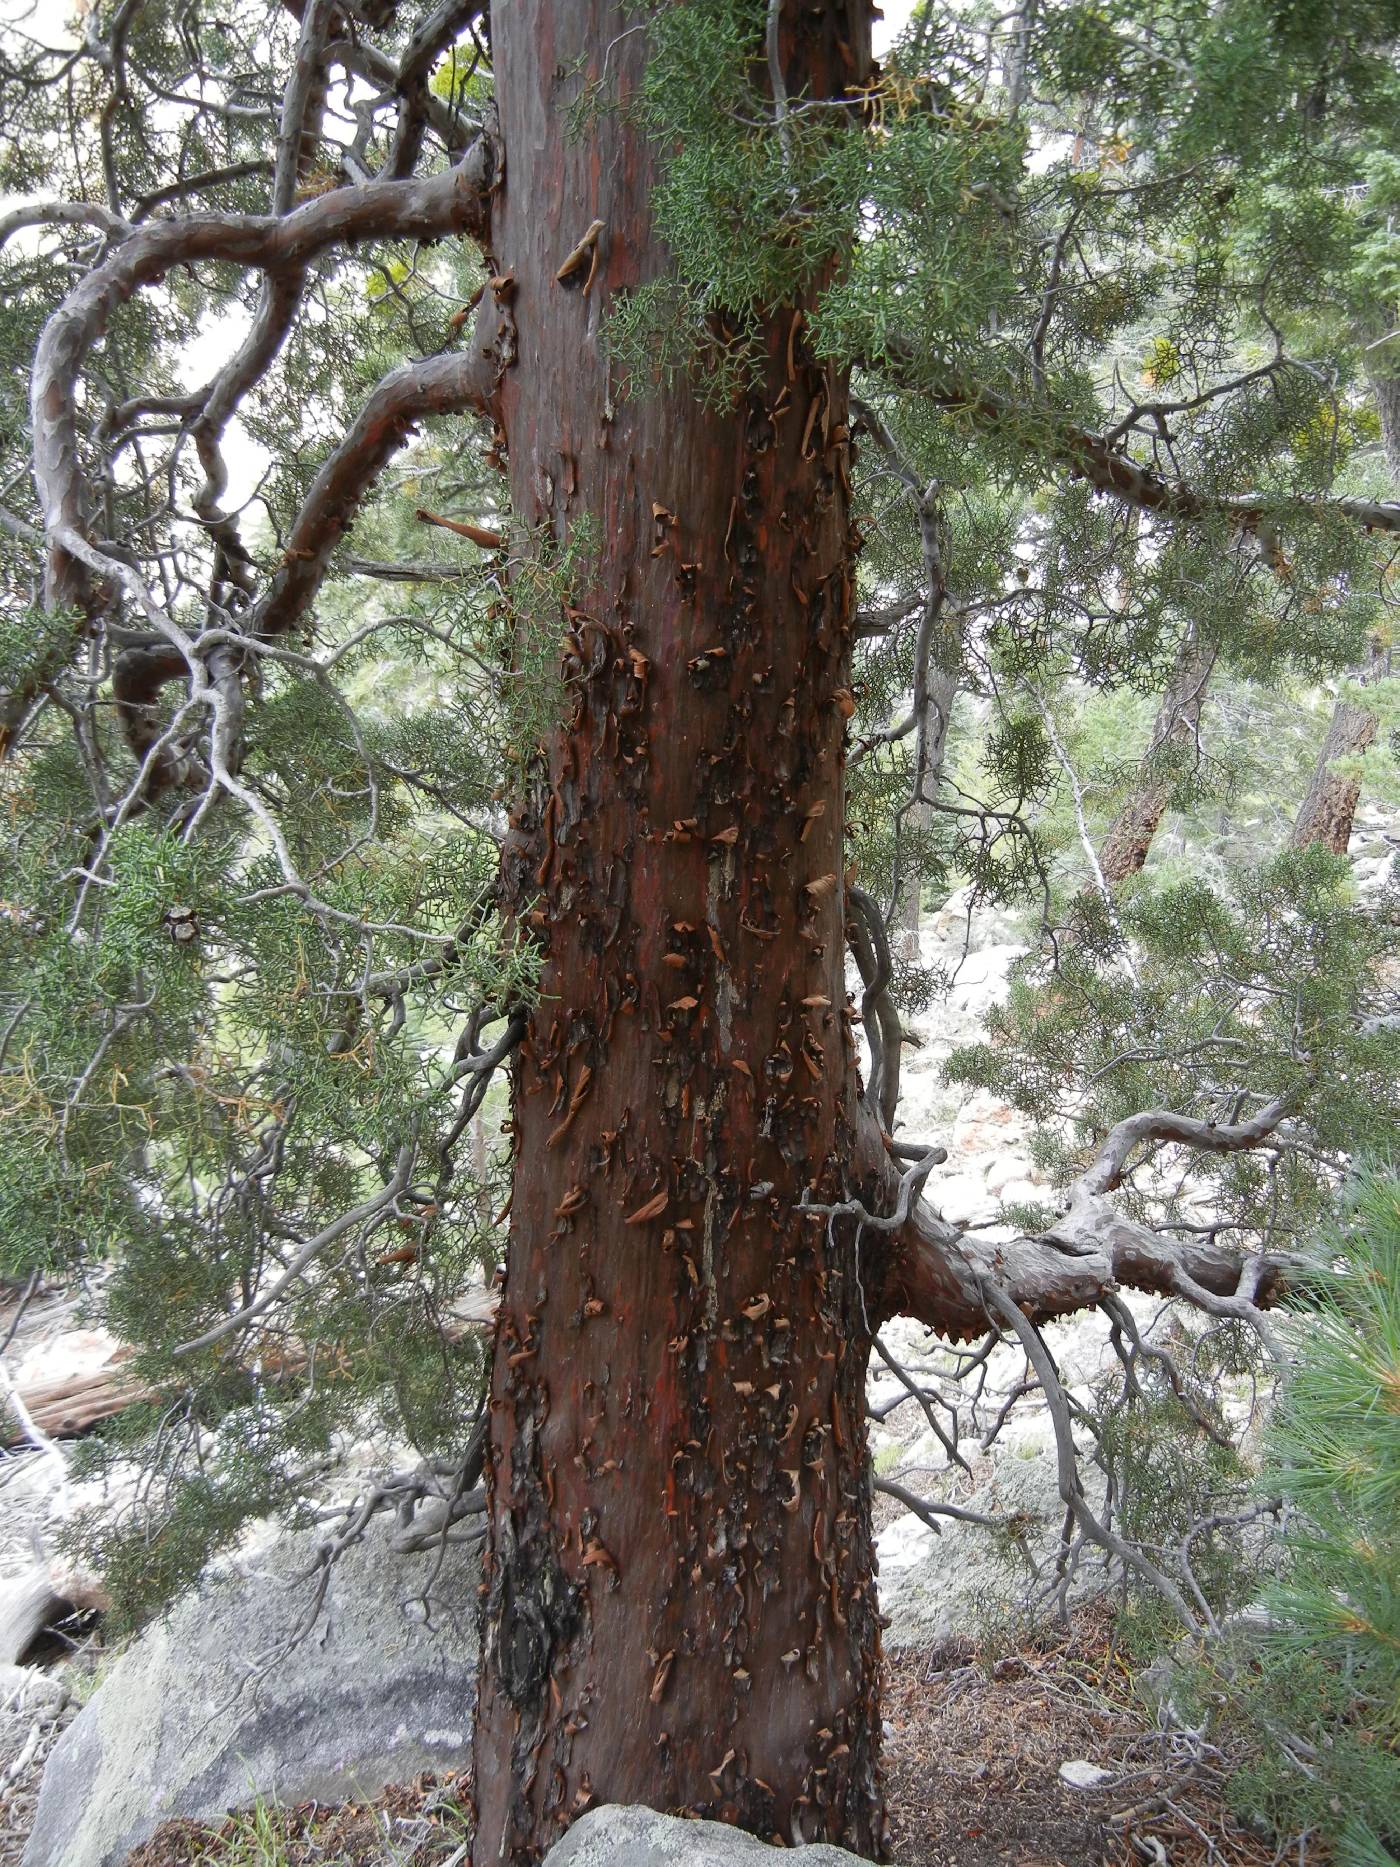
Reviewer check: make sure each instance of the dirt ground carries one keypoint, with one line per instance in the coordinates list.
(973, 1757)
(973, 1748)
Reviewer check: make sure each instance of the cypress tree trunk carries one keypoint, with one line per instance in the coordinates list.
(1130, 837)
(679, 1603)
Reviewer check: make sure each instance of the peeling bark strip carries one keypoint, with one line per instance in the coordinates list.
(680, 1605)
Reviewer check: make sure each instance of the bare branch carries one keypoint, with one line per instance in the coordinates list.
(366, 1213)
(281, 246)
(1110, 1162)
(870, 947)
(63, 214)
(935, 1272)
(424, 209)
(433, 34)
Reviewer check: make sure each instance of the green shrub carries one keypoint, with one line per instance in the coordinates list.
(1317, 1705)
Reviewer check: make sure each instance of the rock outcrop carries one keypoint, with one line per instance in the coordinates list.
(200, 1712)
(617, 1836)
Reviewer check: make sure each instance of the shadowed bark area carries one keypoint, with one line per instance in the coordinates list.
(1129, 839)
(679, 1603)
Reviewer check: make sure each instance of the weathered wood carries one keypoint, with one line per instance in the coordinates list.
(65, 1409)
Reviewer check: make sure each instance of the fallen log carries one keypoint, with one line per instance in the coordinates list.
(65, 1409)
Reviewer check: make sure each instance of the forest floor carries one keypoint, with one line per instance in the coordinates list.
(974, 1741)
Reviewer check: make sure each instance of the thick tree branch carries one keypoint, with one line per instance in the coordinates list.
(426, 209)
(937, 1273)
(436, 386)
(1110, 1163)
(433, 34)
(63, 214)
(1093, 457)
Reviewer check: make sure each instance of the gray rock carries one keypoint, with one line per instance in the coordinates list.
(617, 1836)
(28, 1603)
(192, 1719)
(935, 1586)
(1079, 1773)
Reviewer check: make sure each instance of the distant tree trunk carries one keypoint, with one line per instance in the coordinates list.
(943, 686)
(1385, 387)
(679, 1598)
(1125, 847)
(1328, 810)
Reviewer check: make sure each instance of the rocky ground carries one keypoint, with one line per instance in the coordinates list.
(1045, 1757)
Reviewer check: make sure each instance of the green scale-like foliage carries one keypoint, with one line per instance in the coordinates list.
(1232, 1001)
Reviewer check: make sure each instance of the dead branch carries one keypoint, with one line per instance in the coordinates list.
(281, 246)
(482, 535)
(870, 948)
(69, 1408)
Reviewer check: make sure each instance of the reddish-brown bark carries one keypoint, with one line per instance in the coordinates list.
(1328, 810)
(679, 1603)
(679, 1596)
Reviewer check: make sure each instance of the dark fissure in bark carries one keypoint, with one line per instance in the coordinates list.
(679, 1604)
